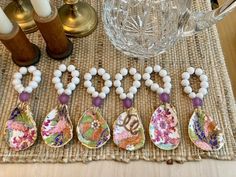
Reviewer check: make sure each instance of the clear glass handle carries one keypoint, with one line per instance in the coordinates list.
(193, 23)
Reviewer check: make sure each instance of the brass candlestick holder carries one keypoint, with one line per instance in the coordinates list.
(21, 12)
(79, 19)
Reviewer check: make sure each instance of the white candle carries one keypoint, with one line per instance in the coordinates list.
(6, 25)
(42, 7)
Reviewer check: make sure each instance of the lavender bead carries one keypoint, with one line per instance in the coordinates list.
(127, 103)
(165, 98)
(64, 98)
(97, 101)
(24, 96)
(197, 102)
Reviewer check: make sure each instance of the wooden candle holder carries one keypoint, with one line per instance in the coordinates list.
(58, 45)
(23, 52)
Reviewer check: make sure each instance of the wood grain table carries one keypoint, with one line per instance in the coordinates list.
(213, 168)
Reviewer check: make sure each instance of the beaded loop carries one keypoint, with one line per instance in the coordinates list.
(127, 97)
(26, 91)
(65, 93)
(197, 98)
(98, 97)
(163, 92)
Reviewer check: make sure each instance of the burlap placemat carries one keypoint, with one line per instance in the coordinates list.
(202, 50)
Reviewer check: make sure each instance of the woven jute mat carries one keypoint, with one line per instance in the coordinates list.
(202, 50)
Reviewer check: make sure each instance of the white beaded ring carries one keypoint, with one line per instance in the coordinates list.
(65, 93)
(163, 92)
(196, 97)
(98, 97)
(26, 91)
(127, 98)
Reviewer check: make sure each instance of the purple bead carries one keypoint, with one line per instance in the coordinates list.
(97, 101)
(165, 97)
(197, 102)
(127, 103)
(24, 96)
(64, 98)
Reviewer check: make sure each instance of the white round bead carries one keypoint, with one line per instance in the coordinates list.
(185, 75)
(71, 68)
(18, 86)
(28, 89)
(118, 76)
(105, 90)
(124, 71)
(106, 76)
(148, 82)
(90, 90)
(62, 67)
(203, 91)
(185, 82)
(166, 90)
(166, 79)
(58, 86)
(101, 71)
(75, 73)
(163, 73)
(204, 84)
(20, 89)
(190, 70)
(95, 94)
(37, 73)
(108, 83)
(71, 86)
(132, 71)
(123, 96)
(137, 76)
(56, 80)
(133, 90)
(57, 73)
(87, 84)
(37, 79)
(198, 71)
(130, 95)
(68, 91)
(188, 89)
(17, 75)
(192, 95)
(146, 76)
(16, 82)
(60, 91)
(119, 90)
(154, 87)
(102, 95)
(203, 78)
(117, 83)
(157, 68)
(200, 95)
(167, 85)
(160, 90)
(148, 69)
(23, 70)
(93, 71)
(75, 80)
(137, 84)
(87, 76)
(31, 69)
(33, 84)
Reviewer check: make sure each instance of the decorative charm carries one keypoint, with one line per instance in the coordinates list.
(92, 129)
(128, 131)
(57, 128)
(202, 129)
(21, 130)
(163, 127)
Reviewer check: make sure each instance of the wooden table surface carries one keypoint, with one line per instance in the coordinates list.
(214, 168)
